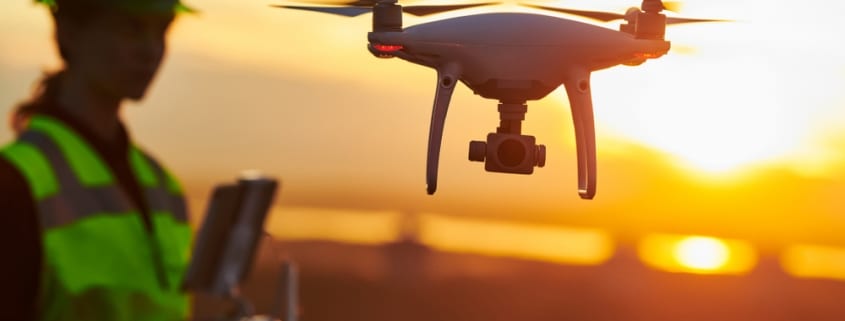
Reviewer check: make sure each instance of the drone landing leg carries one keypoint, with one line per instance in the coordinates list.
(581, 103)
(446, 79)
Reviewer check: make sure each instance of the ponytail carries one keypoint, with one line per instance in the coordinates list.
(45, 94)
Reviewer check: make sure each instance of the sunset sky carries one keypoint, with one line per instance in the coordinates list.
(739, 132)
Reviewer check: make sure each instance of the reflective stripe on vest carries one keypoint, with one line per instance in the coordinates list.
(100, 262)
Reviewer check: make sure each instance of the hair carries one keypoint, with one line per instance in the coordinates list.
(45, 94)
(65, 12)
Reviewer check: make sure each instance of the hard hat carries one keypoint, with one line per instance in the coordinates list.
(132, 6)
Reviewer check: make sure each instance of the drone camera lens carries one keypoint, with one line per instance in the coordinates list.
(511, 153)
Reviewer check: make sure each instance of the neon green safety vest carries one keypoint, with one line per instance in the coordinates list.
(100, 263)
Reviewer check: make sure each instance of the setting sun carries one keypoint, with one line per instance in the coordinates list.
(702, 253)
(729, 96)
(697, 254)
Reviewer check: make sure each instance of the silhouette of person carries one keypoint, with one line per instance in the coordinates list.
(93, 228)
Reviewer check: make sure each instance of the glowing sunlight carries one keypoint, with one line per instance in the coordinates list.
(701, 253)
(814, 261)
(729, 96)
(550, 243)
(697, 254)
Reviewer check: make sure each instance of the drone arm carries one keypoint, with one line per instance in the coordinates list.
(447, 77)
(580, 101)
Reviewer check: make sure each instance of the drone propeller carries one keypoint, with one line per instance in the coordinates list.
(610, 16)
(359, 7)
(428, 10)
(341, 11)
(595, 15)
(677, 21)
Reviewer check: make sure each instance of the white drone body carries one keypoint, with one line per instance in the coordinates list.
(514, 58)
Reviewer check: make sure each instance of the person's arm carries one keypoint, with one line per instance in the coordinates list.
(20, 247)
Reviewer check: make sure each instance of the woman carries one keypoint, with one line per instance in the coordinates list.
(95, 227)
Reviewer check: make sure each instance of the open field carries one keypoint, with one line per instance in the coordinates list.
(404, 281)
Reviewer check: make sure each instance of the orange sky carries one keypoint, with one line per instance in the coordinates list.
(740, 136)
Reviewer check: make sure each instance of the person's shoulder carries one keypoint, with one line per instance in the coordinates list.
(11, 178)
(16, 195)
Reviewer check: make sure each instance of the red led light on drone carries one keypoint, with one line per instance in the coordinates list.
(387, 48)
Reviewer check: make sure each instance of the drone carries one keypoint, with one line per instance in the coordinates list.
(514, 58)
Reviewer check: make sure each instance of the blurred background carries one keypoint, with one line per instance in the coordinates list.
(721, 166)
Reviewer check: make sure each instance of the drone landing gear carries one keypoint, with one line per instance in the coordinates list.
(581, 103)
(447, 77)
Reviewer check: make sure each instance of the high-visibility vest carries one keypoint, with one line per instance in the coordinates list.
(100, 261)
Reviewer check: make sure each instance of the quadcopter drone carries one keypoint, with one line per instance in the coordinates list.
(514, 58)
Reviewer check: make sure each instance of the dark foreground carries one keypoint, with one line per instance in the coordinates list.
(408, 282)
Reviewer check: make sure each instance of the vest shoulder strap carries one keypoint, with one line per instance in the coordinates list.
(83, 160)
(34, 166)
(151, 173)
